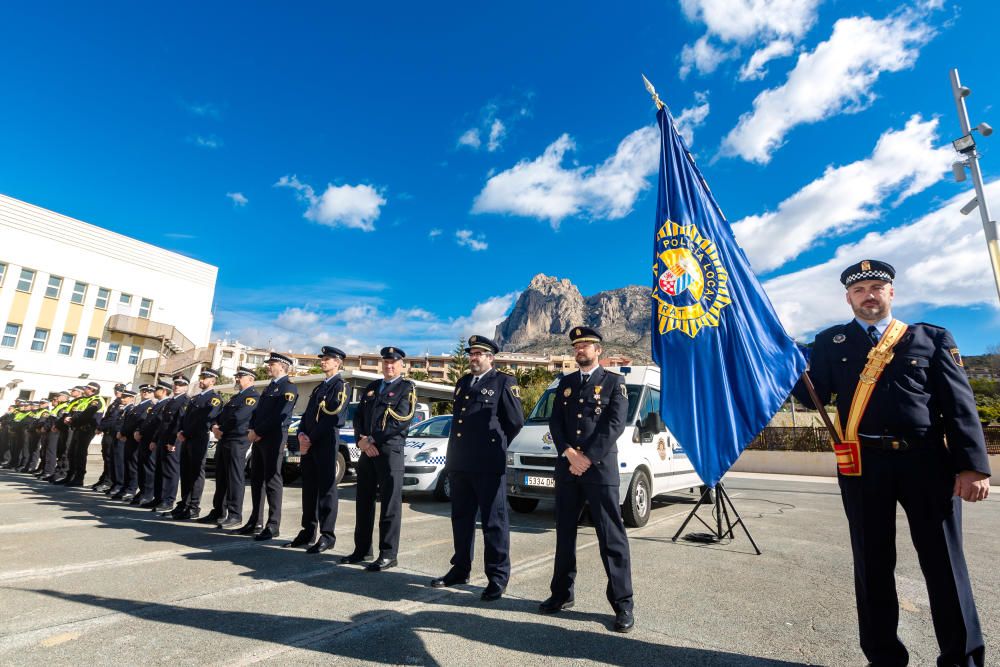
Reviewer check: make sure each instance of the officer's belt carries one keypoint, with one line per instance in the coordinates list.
(890, 442)
(848, 451)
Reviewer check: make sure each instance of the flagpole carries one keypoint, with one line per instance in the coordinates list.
(822, 409)
(652, 91)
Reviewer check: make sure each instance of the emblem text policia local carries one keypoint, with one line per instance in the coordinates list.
(691, 282)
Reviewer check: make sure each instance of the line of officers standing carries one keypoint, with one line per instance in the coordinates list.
(158, 437)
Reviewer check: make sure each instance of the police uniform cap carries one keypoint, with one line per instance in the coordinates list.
(119, 386)
(279, 357)
(164, 384)
(79, 387)
(209, 372)
(392, 353)
(482, 343)
(128, 393)
(62, 393)
(144, 388)
(180, 379)
(331, 351)
(95, 386)
(584, 335)
(243, 370)
(867, 269)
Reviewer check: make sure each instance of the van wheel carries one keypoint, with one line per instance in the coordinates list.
(341, 466)
(637, 506)
(442, 490)
(522, 505)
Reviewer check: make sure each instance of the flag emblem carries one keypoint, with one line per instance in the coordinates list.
(692, 284)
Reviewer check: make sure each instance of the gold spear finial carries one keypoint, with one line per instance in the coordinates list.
(652, 91)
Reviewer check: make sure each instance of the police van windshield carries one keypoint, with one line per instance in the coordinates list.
(543, 408)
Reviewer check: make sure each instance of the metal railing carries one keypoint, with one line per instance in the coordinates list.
(173, 340)
(814, 439)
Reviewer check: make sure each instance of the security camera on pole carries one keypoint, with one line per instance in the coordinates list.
(966, 146)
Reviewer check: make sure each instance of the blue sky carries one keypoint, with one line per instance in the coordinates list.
(395, 174)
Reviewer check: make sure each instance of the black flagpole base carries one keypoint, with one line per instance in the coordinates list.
(721, 512)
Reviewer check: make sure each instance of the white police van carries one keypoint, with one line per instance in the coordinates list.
(650, 460)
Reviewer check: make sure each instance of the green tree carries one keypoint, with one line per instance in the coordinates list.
(260, 373)
(459, 362)
(419, 376)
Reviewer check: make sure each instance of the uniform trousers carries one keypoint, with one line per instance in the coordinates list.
(605, 511)
(922, 481)
(147, 471)
(485, 494)
(117, 465)
(319, 489)
(107, 446)
(62, 449)
(131, 483)
(266, 458)
(169, 465)
(78, 452)
(33, 450)
(51, 440)
(230, 477)
(193, 470)
(381, 477)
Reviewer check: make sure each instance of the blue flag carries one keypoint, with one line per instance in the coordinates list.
(726, 363)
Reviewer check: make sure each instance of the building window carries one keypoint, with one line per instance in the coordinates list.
(103, 294)
(125, 299)
(54, 287)
(90, 351)
(133, 355)
(113, 350)
(26, 280)
(3, 272)
(66, 344)
(10, 334)
(40, 340)
(227, 355)
(79, 292)
(145, 308)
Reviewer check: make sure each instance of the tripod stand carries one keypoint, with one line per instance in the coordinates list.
(721, 510)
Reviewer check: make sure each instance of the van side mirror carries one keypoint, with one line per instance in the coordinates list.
(652, 424)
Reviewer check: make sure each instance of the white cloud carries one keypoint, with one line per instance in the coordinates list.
(703, 56)
(204, 109)
(239, 199)
(836, 77)
(354, 206)
(470, 138)
(364, 327)
(435, 233)
(211, 141)
(742, 22)
(497, 133)
(941, 260)
(904, 162)
(692, 117)
(465, 237)
(753, 69)
(543, 188)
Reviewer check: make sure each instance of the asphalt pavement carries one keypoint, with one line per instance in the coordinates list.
(85, 580)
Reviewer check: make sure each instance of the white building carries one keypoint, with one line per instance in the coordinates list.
(79, 304)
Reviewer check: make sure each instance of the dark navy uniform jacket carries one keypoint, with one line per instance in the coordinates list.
(198, 414)
(923, 394)
(118, 419)
(380, 414)
(108, 419)
(486, 418)
(151, 425)
(134, 418)
(274, 409)
(590, 418)
(170, 419)
(234, 419)
(326, 413)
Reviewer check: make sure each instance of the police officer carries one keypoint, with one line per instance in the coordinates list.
(268, 432)
(112, 424)
(107, 441)
(169, 450)
(130, 427)
(74, 404)
(318, 433)
(84, 424)
(894, 432)
(6, 420)
(380, 425)
(146, 439)
(487, 416)
(588, 415)
(195, 423)
(230, 429)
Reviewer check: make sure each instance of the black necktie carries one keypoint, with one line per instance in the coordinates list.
(585, 377)
(873, 334)
(475, 380)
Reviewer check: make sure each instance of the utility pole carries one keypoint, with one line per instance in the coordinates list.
(966, 146)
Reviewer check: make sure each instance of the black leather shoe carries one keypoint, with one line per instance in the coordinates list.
(624, 621)
(163, 508)
(492, 592)
(322, 544)
(74, 482)
(230, 522)
(381, 564)
(249, 529)
(211, 517)
(300, 540)
(451, 579)
(191, 514)
(150, 504)
(355, 558)
(136, 501)
(552, 605)
(102, 488)
(126, 498)
(265, 534)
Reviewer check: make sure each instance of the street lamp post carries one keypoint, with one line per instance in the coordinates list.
(966, 146)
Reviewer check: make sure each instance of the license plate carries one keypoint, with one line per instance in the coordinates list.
(530, 480)
(294, 458)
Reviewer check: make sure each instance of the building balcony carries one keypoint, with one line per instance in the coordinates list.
(172, 339)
